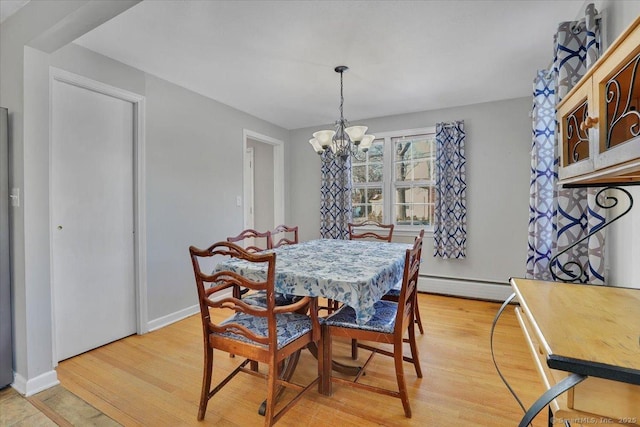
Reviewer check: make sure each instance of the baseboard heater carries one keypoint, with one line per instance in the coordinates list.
(465, 287)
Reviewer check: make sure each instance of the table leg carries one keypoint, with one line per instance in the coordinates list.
(336, 366)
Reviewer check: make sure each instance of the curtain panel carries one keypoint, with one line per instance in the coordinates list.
(450, 219)
(542, 187)
(570, 212)
(335, 199)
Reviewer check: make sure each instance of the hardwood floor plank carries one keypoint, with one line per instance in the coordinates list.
(154, 379)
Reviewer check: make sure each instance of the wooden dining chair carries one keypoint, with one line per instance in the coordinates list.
(266, 335)
(372, 230)
(388, 325)
(378, 231)
(252, 240)
(284, 235)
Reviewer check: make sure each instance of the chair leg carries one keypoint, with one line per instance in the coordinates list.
(354, 349)
(206, 382)
(271, 394)
(417, 315)
(414, 350)
(402, 387)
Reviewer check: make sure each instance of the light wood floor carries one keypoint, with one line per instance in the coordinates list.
(154, 379)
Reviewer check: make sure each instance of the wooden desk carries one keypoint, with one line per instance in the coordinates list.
(585, 340)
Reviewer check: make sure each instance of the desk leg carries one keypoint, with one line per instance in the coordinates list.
(546, 398)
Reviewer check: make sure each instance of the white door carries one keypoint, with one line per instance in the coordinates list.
(92, 219)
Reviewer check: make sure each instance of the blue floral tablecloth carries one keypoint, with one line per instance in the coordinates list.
(355, 272)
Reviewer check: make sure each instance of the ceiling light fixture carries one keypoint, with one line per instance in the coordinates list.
(345, 140)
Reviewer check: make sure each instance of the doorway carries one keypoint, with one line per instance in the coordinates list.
(264, 196)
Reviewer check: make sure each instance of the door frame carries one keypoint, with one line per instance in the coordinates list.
(139, 185)
(278, 173)
(249, 188)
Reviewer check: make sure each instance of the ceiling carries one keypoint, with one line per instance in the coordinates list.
(9, 7)
(275, 59)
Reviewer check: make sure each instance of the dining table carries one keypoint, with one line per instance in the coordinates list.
(355, 272)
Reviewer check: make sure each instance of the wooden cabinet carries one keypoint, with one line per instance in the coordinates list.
(589, 330)
(599, 119)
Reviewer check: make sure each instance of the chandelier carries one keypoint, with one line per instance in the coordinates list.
(344, 140)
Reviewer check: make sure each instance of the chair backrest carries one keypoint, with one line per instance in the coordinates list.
(252, 240)
(378, 231)
(220, 279)
(284, 235)
(408, 297)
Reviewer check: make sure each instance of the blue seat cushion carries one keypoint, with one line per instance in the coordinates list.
(383, 320)
(395, 291)
(260, 299)
(290, 326)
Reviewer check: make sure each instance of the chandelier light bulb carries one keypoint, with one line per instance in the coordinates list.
(324, 137)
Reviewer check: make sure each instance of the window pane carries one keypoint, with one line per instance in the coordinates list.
(410, 171)
(414, 147)
(404, 195)
(358, 173)
(419, 195)
(375, 203)
(414, 214)
(402, 215)
(421, 148)
(375, 172)
(358, 196)
(375, 151)
(374, 195)
(359, 213)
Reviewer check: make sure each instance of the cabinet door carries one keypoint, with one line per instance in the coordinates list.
(575, 143)
(618, 93)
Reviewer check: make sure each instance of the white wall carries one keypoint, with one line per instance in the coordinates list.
(194, 174)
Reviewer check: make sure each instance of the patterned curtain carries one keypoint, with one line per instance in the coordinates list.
(335, 199)
(542, 188)
(450, 227)
(573, 211)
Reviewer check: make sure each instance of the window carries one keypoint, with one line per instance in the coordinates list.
(395, 182)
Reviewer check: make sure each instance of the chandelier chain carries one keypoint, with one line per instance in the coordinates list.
(341, 100)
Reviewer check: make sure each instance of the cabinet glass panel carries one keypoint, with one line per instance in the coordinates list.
(622, 97)
(577, 146)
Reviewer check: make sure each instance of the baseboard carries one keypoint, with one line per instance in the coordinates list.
(34, 385)
(163, 321)
(468, 288)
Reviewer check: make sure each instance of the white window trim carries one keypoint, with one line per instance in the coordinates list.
(387, 185)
